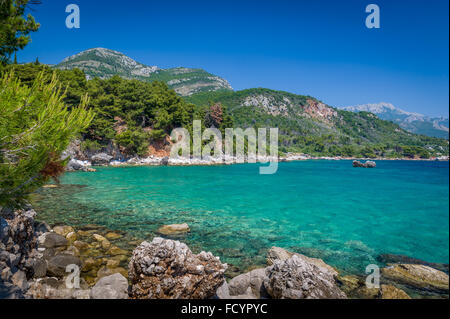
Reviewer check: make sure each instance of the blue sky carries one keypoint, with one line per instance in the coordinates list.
(315, 47)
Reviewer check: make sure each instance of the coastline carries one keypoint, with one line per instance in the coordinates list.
(38, 255)
(75, 164)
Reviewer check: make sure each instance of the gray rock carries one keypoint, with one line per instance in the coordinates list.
(39, 268)
(82, 294)
(111, 287)
(6, 274)
(74, 165)
(297, 278)
(253, 280)
(41, 227)
(51, 288)
(4, 229)
(223, 291)
(19, 279)
(10, 291)
(167, 269)
(165, 161)
(52, 240)
(12, 260)
(56, 265)
(7, 213)
(277, 253)
(368, 164)
(48, 253)
(101, 159)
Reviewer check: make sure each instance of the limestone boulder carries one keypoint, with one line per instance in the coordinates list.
(167, 269)
(298, 278)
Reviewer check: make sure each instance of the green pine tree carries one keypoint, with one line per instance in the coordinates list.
(14, 27)
(35, 128)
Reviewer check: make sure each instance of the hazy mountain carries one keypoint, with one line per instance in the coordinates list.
(412, 122)
(105, 63)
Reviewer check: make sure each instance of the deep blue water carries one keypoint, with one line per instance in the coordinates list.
(327, 209)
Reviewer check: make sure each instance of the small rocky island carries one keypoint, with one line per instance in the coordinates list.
(367, 164)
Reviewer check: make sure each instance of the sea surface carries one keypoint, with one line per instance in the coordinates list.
(327, 209)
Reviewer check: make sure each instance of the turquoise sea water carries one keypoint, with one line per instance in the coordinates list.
(327, 209)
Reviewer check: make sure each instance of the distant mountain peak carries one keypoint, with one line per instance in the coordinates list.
(410, 121)
(378, 108)
(105, 63)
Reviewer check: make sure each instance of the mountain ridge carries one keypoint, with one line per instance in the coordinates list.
(411, 121)
(105, 63)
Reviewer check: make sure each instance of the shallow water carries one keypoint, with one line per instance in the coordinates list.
(327, 209)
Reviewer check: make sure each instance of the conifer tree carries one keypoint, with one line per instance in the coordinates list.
(35, 128)
(15, 27)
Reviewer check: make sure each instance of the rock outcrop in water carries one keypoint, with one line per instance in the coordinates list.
(391, 292)
(289, 276)
(402, 259)
(418, 277)
(168, 269)
(76, 165)
(277, 253)
(101, 159)
(368, 164)
(296, 278)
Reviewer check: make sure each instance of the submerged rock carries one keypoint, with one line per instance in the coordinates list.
(56, 265)
(401, 259)
(168, 269)
(52, 240)
(418, 276)
(113, 236)
(297, 278)
(391, 292)
(63, 230)
(174, 229)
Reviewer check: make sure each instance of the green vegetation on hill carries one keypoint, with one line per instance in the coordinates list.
(105, 63)
(131, 114)
(343, 134)
(128, 113)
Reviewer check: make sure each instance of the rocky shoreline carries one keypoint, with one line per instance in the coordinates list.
(104, 159)
(34, 260)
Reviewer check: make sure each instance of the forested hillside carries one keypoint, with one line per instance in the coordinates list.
(133, 114)
(130, 114)
(104, 63)
(309, 126)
